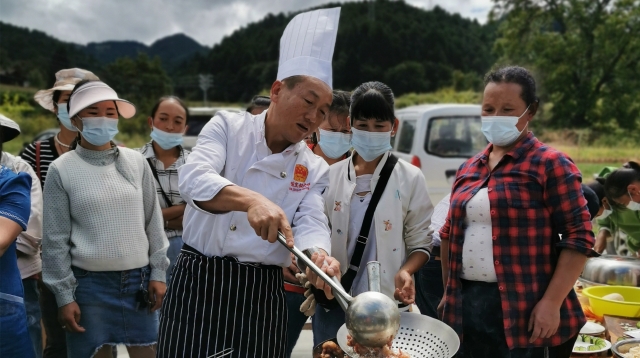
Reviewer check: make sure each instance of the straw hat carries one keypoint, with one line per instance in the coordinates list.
(65, 81)
(94, 92)
(10, 129)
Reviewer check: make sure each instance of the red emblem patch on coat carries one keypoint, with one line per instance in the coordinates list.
(300, 173)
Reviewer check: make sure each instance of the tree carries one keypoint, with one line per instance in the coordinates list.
(141, 81)
(586, 54)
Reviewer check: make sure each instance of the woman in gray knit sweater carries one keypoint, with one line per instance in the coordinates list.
(104, 246)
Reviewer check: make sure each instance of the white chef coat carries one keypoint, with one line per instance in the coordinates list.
(232, 150)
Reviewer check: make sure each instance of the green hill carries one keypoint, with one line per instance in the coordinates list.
(411, 49)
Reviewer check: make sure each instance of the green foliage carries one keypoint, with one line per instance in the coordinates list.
(141, 81)
(18, 104)
(586, 54)
(414, 50)
(445, 95)
(33, 56)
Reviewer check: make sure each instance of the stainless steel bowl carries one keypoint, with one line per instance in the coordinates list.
(611, 270)
(622, 347)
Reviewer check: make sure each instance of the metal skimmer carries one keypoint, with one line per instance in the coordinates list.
(420, 336)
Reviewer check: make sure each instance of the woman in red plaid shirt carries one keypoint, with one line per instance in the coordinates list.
(510, 276)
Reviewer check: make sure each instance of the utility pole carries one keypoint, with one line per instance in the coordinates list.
(206, 81)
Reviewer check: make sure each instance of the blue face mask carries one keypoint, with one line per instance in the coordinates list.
(334, 144)
(99, 130)
(166, 140)
(502, 130)
(63, 116)
(370, 145)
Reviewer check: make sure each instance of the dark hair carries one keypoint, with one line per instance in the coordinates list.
(292, 81)
(372, 100)
(517, 75)
(597, 188)
(56, 97)
(166, 98)
(618, 181)
(593, 202)
(341, 102)
(259, 101)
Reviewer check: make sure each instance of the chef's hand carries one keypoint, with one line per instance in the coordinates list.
(331, 268)
(545, 320)
(266, 218)
(405, 287)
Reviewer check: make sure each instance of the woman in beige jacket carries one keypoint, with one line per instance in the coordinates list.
(397, 234)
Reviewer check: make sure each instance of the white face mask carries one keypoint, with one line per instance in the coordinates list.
(632, 204)
(502, 130)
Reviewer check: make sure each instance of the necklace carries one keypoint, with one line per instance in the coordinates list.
(60, 143)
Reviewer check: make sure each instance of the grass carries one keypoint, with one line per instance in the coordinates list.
(29, 90)
(590, 170)
(593, 154)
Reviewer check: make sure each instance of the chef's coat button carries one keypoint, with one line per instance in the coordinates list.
(232, 228)
(283, 175)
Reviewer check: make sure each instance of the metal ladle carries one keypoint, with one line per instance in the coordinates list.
(372, 318)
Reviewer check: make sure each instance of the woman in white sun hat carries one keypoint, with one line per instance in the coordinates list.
(39, 155)
(55, 99)
(104, 246)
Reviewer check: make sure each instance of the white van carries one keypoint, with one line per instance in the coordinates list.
(438, 138)
(198, 117)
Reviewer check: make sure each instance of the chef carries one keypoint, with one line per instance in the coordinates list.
(247, 178)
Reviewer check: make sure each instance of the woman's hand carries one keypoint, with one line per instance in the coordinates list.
(440, 309)
(157, 290)
(69, 317)
(405, 287)
(328, 265)
(545, 320)
(175, 224)
(601, 241)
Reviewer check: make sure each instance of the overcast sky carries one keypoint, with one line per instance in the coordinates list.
(207, 21)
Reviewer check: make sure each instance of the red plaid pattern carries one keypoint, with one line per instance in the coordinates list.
(535, 194)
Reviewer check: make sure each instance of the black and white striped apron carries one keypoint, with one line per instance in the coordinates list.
(217, 303)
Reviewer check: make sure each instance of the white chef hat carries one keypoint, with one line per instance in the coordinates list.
(306, 46)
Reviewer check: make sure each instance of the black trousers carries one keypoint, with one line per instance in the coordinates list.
(483, 329)
(218, 303)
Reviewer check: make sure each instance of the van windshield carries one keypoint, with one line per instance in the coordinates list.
(196, 122)
(459, 136)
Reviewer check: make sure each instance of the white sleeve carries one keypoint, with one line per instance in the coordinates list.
(200, 179)
(417, 233)
(310, 225)
(29, 241)
(439, 217)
